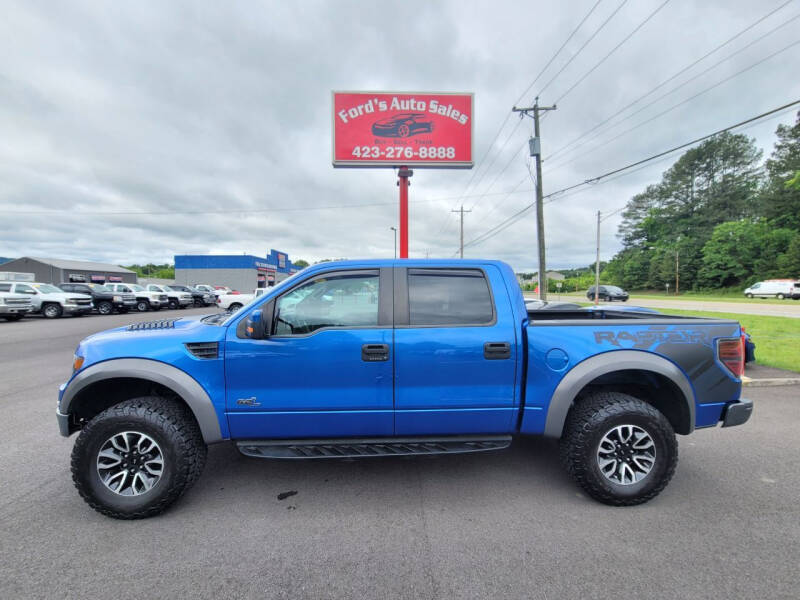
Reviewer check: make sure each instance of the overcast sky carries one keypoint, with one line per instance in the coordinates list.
(195, 112)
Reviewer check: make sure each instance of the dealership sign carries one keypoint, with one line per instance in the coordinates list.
(374, 129)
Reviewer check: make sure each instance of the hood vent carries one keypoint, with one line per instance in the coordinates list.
(203, 349)
(148, 325)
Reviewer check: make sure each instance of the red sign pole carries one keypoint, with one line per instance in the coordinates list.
(404, 173)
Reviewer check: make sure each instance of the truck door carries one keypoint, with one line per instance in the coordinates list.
(455, 352)
(326, 371)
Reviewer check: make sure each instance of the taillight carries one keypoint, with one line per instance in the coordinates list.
(731, 354)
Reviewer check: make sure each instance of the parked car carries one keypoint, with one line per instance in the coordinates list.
(608, 293)
(104, 300)
(236, 300)
(199, 297)
(402, 125)
(203, 287)
(774, 288)
(383, 357)
(50, 301)
(175, 298)
(13, 306)
(534, 304)
(145, 299)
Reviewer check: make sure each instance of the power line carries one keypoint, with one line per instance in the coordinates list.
(617, 47)
(673, 107)
(586, 43)
(512, 219)
(672, 78)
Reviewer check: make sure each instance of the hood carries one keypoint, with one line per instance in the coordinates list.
(65, 296)
(157, 339)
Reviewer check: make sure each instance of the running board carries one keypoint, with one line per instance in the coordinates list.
(355, 447)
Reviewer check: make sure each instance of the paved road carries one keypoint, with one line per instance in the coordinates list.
(788, 308)
(504, 525)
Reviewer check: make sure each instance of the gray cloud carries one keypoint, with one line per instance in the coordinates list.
(183, 107)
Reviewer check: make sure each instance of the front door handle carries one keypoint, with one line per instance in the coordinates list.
(375, 352)
(497, 350)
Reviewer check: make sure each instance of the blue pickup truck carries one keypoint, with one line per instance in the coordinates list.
(387, 358)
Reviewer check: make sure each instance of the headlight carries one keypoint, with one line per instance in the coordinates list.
(70, 301)
(2, 300)
(117, 299)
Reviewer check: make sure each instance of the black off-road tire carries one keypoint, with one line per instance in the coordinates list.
(173, 428)
(590, 420)
(235, 306)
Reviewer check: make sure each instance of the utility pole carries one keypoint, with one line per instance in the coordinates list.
(536, 152)
(461, 245)
(597, 265)
(677, 276)
(395, 240)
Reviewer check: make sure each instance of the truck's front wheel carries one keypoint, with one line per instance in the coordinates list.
(136, 458)
(619, 449)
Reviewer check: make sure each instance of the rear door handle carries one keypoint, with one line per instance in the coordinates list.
(375, 352)
(497, 350)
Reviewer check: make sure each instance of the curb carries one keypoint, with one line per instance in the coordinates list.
(746, 381)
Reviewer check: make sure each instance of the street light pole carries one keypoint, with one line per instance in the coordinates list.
(395, 240)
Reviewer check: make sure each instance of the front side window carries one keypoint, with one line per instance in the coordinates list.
(448, 297)
(25, 289)
(348, 300)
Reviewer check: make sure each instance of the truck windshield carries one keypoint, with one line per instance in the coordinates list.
(136, 288)
(47, 289)
(99, 288)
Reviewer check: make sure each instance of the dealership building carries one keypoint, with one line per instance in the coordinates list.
(55, 271)
(241, 272)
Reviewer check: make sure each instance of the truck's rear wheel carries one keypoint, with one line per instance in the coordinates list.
(234, 307)
(136, 458)
(619, 449)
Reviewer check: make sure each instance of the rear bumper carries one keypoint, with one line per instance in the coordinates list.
(737, 413)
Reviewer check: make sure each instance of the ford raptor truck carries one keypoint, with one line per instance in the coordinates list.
(395, 357)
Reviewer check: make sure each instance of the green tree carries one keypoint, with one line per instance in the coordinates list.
(789, 262)
(302, 264)
(781, 197)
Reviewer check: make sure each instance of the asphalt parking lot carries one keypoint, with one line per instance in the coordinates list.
(502, 525)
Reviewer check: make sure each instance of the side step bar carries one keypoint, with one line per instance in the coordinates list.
(362, 447)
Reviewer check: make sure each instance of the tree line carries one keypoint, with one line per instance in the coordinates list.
(719, 217)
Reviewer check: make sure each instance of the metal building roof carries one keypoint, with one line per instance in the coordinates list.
(80, 265)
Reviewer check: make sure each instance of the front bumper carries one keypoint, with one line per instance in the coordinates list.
(14, 310)
(737, 413)
(73, 310)
(63, 423)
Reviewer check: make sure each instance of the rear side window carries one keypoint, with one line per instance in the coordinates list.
(449, 297)
(5, 287)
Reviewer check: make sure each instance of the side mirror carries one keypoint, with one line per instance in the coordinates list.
(254, 325)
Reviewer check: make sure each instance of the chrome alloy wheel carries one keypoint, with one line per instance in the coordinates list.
(626, 454)
(130, 463)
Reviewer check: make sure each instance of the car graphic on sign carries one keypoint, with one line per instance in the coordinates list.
(402, 125)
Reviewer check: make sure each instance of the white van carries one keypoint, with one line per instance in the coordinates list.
(777, 288)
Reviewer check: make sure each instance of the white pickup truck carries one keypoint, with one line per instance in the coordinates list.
(233, 302)
(13, 306)
(145, 300)
(50, 301)
(175, 298)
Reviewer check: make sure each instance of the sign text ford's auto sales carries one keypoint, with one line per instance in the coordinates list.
(372, 129)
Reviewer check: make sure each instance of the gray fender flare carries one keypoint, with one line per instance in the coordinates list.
(608, 362)
(171, 377)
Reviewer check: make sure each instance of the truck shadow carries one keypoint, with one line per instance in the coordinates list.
(529, 466)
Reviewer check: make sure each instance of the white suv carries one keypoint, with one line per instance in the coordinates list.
(51, 301)
(145, 299)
